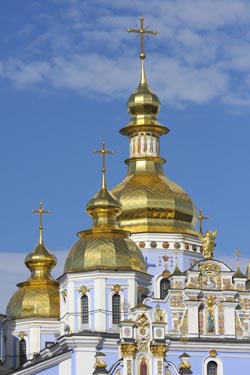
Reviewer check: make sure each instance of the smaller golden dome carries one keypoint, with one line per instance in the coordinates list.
(143, 107)
(37, 297)
(105, 245)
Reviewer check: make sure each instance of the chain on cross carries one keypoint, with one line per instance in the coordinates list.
(142, 31)
(41, 212)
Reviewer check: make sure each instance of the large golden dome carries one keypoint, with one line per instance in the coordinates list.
(38, 297)
(151, 202)
(105, 245)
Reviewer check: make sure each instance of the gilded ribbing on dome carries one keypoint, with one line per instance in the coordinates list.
(105, 245)
(151, 202)
(37, 297)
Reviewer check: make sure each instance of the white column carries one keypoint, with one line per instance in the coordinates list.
(229, 317)
(34, 341)
(100, 304)
(193, 319)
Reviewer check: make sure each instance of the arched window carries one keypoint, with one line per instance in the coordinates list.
(164, 288)
(212, 368)
(22, 348)
(116, 309)
(85, 309)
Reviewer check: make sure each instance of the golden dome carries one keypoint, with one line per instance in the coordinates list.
(38, 297)
(143, 106)
(105, 245)
(151, 202)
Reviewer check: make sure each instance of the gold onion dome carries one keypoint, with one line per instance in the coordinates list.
(151, 202)
(105, 245)
(37, 297)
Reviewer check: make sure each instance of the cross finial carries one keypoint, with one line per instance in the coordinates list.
(142, 31)
(238, 255)
(41, 211)
(103, 153)
(201, 218)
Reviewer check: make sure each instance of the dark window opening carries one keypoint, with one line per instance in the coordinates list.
(23, 357)
(164, 288)
(212, 368)
(85, 309)
(116, 309)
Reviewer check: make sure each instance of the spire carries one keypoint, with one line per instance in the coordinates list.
(150, 201)
(143, 104)
(105, 245)
(41, 212)
(238, 273)
(103, 153)
(40, 261)
(103, 207)
(142, 31)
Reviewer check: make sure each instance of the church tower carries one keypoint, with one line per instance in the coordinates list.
(103, 272)
(159, 214)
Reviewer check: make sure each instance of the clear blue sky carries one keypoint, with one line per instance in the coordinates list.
(67, 68)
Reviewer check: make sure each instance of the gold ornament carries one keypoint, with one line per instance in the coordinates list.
(165, 273)
(128, 350)
(213, 353)
(100, 364)
(142, 321)
(83, 290)
(21, 335)
(208, 243)
(158, 350)
(210, 301)
(184, 365)
(117, 288)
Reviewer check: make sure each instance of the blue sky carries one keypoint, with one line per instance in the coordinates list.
(67, 68)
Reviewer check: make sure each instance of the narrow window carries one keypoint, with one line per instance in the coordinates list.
(23, 358)
(164, 288)
(212, 368)
(116, 309)
(85, 309)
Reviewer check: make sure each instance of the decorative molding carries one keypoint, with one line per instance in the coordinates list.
(117, 288)
(213, 353)
(83, 289)
(128, 350)
(21, 335)
(158, 351)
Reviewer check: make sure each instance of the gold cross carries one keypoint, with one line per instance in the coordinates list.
(201, 218)
(41, 211)
(142, 31)
(103, 153)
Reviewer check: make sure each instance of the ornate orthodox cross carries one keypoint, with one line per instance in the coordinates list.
(201, 218)
(41, 212)
(142, 31)
(103, 153)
